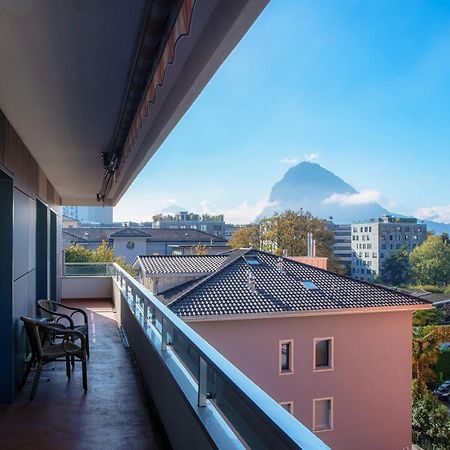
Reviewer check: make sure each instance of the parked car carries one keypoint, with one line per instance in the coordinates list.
(443, 391)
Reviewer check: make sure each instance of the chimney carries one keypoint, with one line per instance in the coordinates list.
(310, 246)
(280, 265)
(251, 279)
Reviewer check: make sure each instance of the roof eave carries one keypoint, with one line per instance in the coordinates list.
(315, 313)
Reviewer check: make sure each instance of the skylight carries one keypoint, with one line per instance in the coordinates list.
(252, 260)
(309, 285)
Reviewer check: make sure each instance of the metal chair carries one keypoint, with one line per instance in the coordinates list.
(50, 312)
(43, 349)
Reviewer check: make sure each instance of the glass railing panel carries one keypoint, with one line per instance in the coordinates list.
(87, 269)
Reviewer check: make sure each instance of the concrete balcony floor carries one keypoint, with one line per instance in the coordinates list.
(113, 414)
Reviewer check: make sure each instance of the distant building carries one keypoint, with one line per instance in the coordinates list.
(214, 225)
(90, 215)
(131, 242)
(333, 351)
(373, 242)
(342, 247)
(69, 222)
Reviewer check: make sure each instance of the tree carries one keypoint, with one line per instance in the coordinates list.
(103, 253)
(287, 232)
(430, 421)
(245, 237)
(77, 253)
(396, 268)
(426, 341)
(430, 262)
(199, 250)
(424, 317)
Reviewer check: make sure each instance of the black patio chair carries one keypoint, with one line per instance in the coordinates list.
(42, 337)
(51, 311)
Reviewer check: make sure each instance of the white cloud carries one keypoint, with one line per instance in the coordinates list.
(436, 213)
(289, 161)
(241, 214)
(360, 198)
(311, 156)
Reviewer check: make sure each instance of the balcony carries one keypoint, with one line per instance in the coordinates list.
(200, 398)
(112, 414)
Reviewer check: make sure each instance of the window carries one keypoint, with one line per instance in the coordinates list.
(286, 357)
(288, 406)
(323, 353)
(322, 414)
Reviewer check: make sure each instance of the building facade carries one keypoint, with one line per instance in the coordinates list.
(184, 220)
(373, 242)
(342, 247)
(129, 242)
(92, 215)
(333, 351)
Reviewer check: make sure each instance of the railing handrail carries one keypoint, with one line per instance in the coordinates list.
(293, 431)
(87, 263)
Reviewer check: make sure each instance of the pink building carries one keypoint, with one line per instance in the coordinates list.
(334, 351)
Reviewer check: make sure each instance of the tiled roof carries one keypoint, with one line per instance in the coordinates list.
(131, 232)
(98, 234)
(182, 264)
(227, 291)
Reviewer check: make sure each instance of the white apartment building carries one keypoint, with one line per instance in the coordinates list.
(373, 242)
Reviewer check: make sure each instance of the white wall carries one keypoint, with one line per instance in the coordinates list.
(86, 287)
(130, 254)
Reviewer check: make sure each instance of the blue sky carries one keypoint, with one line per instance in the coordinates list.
(361, 87)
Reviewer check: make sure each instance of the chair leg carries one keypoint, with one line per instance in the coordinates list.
(84, 366)
(73, 361)
(27, 372)
(36, 380)
(68, 367)
(87, 344)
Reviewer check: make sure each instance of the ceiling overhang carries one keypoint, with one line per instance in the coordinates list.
(83, 79)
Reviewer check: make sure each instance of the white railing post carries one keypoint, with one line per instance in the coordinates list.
(163, 334)
(202, 381)
(145, 313)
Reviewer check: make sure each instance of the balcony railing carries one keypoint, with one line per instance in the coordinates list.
(232, 409)
(87, 269)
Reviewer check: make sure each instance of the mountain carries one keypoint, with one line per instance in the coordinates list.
(316, 189)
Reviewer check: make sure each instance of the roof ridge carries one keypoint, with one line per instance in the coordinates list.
(211, 276)
(182, 256)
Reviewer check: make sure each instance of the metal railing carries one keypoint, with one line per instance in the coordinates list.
(87, 269)
(254, 417)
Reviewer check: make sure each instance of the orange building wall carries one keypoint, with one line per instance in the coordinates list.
(370, 383)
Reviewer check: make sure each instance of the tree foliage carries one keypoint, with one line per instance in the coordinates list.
(396, 268)
(287, 232)
(426, 341)
(424, 317)
(103, 253)
(430, 262)
(430, 421)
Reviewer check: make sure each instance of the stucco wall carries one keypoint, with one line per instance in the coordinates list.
(370, 383)
(86, 287)
(130, 254)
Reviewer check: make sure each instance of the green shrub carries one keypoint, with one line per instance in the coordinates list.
(430, 421)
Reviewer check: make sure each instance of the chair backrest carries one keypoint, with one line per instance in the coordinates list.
(46, 308)
(32, 330)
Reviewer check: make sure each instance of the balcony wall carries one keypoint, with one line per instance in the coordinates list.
(24, 188)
